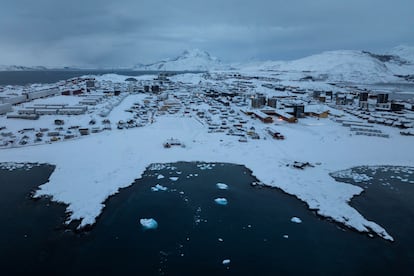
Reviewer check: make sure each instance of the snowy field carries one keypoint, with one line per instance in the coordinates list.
(90, 169)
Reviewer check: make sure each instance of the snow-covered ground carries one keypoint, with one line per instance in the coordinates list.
(90, 169)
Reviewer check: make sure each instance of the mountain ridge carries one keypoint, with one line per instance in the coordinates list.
(188, 60)
(394, 65)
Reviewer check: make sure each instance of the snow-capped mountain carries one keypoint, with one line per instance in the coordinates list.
(348, 66)
(194, 60)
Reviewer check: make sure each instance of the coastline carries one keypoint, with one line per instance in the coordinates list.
(93, 168)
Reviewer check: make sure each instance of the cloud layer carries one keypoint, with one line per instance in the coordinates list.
(125, 32)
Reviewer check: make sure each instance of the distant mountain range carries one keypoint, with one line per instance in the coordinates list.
(348, 66)
(343, 65)
(21, 68)
(193, 60)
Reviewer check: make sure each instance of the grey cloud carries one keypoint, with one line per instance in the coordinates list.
(99, 33)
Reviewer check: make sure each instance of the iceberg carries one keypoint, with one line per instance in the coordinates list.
(222, 186)
(148, 224)
(158, 187)
(221, 201)
(296, 220)
(226, 262)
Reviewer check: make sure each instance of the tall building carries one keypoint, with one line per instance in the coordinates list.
(272, 102)
(382, 98)
(363, 100)
(258, 100)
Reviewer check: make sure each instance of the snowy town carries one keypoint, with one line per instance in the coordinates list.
(207, 137)
(247, 107)
(250, 118)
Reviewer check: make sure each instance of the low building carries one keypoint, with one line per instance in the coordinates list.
(6, 107)
(281, 114)
(24, 116)
(319, 111)
(383, 106)
(340, 99)
(84, 131)
(397, 107)
(382, 98)
(263, 116)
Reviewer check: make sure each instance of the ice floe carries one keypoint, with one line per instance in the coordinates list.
(226, 261)
(350, 174)
(149, 223)
(222, 186)
(221, 201)
(158, 187)
(296, 220)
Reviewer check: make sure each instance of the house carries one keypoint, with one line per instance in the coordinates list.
(340, 99)
(316, 110)
(59, 122)
(172, 142)
(84, 131)
(275, 134)
(155, 88)
(397, 107)
(24, 116)
(4, 108)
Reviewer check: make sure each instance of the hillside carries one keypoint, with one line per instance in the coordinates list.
(348, 66)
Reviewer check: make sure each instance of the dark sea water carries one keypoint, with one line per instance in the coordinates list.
(195, 234)
(52, 76)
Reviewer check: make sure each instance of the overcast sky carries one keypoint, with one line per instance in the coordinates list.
(126, 32)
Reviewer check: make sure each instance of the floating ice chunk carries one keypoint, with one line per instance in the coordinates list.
(222, 186)
(158, 187)
(173, 178)
(226, 261)
(296, 220)
(356, 177)
(221, 201)
(149, 223)
(160, 176)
